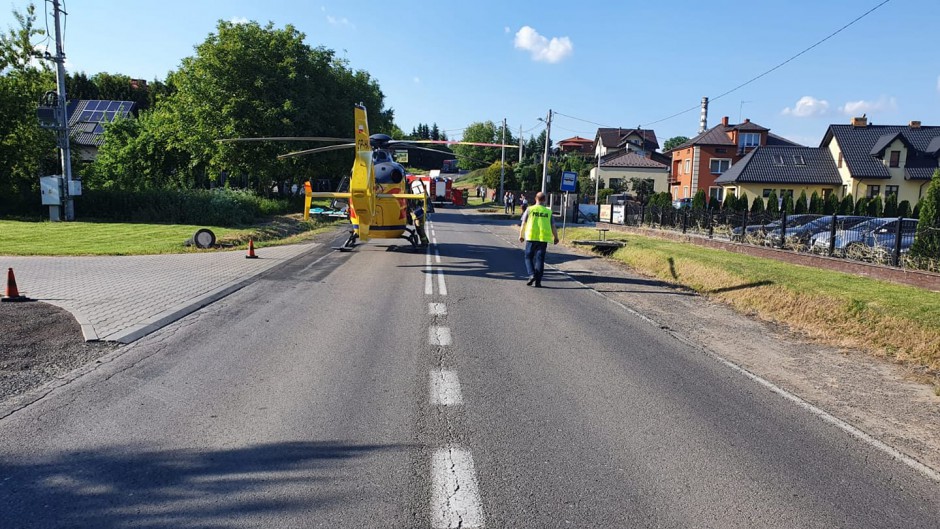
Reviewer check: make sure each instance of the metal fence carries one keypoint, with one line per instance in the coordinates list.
(885, 241)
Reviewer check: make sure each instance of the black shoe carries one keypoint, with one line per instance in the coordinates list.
(538, 284)
(530, 281)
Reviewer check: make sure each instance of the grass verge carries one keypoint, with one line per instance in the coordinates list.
(893, 321)
(117, 238)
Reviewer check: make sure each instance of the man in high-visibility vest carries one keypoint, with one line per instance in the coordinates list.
(537, 230)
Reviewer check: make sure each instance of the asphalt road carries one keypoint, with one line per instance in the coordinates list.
(384, 388)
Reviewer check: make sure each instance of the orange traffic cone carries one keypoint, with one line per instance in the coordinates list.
(251, 250)
(12, 293)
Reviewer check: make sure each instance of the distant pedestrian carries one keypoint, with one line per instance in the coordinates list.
(507, 196)
(536, 230)
(512, 203)
(524, 203)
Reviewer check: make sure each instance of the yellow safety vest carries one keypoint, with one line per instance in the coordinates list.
(538, 226)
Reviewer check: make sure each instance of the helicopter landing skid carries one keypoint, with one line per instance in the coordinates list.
(350, 243)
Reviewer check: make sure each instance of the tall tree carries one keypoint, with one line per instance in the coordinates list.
(673, 142)
(474, 157)
(927, 240)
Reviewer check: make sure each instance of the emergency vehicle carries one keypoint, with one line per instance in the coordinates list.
(440, 189)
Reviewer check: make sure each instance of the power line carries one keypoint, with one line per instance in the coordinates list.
(751, 80)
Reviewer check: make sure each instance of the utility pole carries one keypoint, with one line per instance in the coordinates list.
(597, 179)
(502, 164)
(520, 144)
(62, 115)
(548, 141)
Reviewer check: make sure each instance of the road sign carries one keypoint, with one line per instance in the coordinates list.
(568, 180)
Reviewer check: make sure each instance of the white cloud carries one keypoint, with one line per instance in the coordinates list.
(238, 20)
(857, 108)
(807, 107)
(339, 21)
(541, 48)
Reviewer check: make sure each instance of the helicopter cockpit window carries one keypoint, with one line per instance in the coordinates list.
(380, 156)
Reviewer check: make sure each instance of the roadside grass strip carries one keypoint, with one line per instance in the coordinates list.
(117, 238)
(892, 321)
(455, 497)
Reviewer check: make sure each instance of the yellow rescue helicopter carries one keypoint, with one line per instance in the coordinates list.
(378, 194)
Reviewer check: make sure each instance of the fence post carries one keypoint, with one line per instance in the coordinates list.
(896, 258)
(685, 220)
(783, 229)
(832, 236)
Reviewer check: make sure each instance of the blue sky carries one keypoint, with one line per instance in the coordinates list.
(610, 63)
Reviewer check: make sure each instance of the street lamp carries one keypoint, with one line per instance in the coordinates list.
(548, 134)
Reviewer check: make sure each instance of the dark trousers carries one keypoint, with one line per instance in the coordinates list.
(535, 259)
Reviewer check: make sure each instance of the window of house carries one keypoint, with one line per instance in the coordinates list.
(685, 192)
(891, 190)
(825, 193)
(721, 151)
(615, 183)
(873, 191)
(778, 159)
(895, 159)
(749, 139)
(766, 193)
(675, 191)
(719, 165)
(714, 193)
(798, 159)
(839, 163)
(784, 193)
(688, 166)
(845, 189)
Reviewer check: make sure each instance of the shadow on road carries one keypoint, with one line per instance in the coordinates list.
(128, 487)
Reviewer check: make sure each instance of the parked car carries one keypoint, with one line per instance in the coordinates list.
(847, 236)
(803, 233)
(774, 226)
(682, 203)
(885, 236)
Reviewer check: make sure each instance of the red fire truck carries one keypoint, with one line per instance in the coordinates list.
(440, 189)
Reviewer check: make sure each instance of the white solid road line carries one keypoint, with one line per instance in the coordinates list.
(445, 388)
(437, 309)
(428, 273)
(455, 498)
(440, 282)
(439, 335)
(434, 239)
(437, 257)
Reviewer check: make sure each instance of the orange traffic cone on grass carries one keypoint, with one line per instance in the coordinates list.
(251, 250)
(12, 293)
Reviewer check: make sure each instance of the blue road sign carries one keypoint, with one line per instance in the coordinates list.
(568, 180)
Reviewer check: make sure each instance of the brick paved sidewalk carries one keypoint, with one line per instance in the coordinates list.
(123, 298)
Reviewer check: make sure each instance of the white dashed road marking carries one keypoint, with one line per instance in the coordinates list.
(445, 388)
(439, 335)
(455, 499)
(437, 309)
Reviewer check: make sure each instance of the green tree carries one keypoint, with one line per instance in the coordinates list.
(788, 203)
(800, 205)
(816, 204)
(916, 213)
(904, 209)
(773, 204)
(757, 207)
(927, 240)
(642, 187)
(491, 176)
(730, 203)
(673, 142)
(26, 150)
(861, 206)
(891, 206)
(475, 157)
(831, 204)
(847, 206)
(699, 200)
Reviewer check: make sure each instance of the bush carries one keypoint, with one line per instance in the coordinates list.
(699, 200)
(815, 203)
(788, 203)
(847, 206)
(741, 204)
(904, 209)
(773, 204)
(861, 206)
(800, 205)
(217, 207)
(891, 206)
(927, 241)
(730, 203)
(757, 206)
(831, 204)
(875, 209)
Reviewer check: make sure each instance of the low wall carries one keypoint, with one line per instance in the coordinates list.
(915, 278)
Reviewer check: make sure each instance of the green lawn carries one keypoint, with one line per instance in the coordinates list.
(888, 319)
(101, 238)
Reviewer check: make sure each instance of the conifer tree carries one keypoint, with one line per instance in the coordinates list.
(773, 204)
(800, 205)
(698, 201)
(757, 207)
(847, 206)
(815, 203)
(904, 209)
(875, 208)
(927, 240)
(741, 204)
(788, 203)
(861, 206)
(891, 206)
(831, 204)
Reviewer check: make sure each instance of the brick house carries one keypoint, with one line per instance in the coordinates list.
(576, 144)
(697, 163)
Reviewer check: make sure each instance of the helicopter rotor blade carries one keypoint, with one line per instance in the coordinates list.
(442, 152)
(448, 142)
(316, 150)
(282, 138)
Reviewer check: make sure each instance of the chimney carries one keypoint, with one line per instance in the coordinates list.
(724, 121)
(915, 124)
(860, 121)
(747, 120)
(703, 120)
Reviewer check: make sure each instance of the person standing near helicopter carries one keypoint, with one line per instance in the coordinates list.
(536, 231)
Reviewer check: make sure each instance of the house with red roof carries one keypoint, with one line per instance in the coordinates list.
(576, 144)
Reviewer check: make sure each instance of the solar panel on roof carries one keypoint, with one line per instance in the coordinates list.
(109, 116)
(99, 129)
(85, 116)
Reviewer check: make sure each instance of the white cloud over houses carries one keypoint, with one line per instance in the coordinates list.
(541, 48)
(857, 108)
(807, 107)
